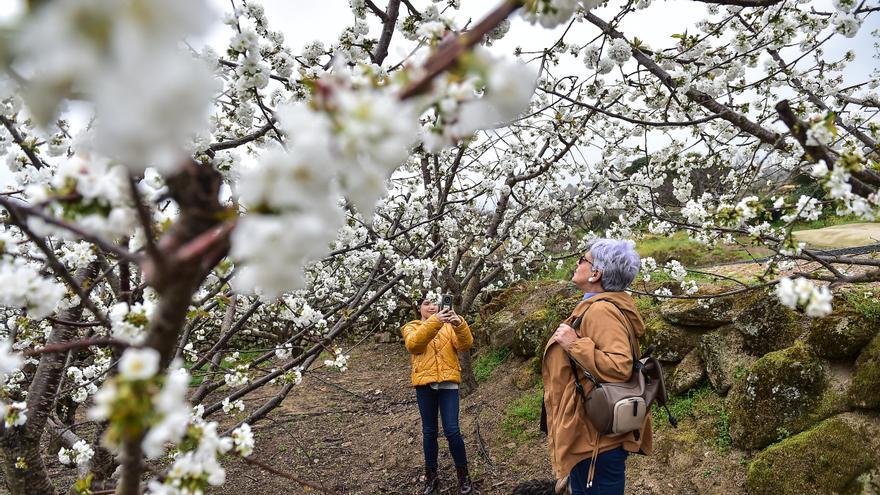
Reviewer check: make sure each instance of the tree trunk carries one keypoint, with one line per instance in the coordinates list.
(468, 379)
(23, 442)
(31, 478)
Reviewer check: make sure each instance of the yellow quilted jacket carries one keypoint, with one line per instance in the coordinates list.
(433, 348)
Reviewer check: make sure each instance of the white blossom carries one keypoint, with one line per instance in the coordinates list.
(9, 361)
(139, 364)
(619, 50)
(244, 440)
(80, 453)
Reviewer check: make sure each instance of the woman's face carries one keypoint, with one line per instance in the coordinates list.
(427, 308)
(584, 272)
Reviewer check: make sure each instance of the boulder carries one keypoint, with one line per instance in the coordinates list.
(779, 396)
(687, 374)
(724, 357)
(528, 374)
(672, 342)
(519, 318)
(703, 313)
(766, 325)
(841, 335)
(828, 458)
(868, 483)
(532, 332)
(865, 389)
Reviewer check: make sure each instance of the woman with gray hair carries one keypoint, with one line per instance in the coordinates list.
(584, 461)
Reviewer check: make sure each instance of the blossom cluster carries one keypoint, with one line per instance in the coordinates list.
(129, 323)
(340, 360)
(800, 292)
(148, 93)
(25, 287)
(80, 454)
(141, 402)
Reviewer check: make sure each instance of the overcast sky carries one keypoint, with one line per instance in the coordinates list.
(303, 21)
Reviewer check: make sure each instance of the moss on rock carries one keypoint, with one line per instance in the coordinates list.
(533, 331)
(687, 374)
(823, 460)
(506, 314)
(673, 342)
(528, 374)
(704, 313)
(779, 396)
(724, 358)
(766, 325)
(841, 334)
(865, 389)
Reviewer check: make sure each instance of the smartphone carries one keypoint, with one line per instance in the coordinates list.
(445, 302)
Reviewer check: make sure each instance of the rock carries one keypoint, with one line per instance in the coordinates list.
(865, 389)
(868, 483)
(826, 459)
(516, 317)
(704, 313)
(724, 358)
(383, 337)
(528, 374)
(765, 324)
(840, 335)
(673, 342)
(779, 396)
(687, 374)
(533, 331)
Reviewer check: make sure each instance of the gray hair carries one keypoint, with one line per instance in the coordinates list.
(617, 260)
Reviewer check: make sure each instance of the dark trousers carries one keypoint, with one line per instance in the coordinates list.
(609, 478)
(444, 401)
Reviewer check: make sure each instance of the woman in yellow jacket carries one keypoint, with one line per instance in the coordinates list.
(433, 342)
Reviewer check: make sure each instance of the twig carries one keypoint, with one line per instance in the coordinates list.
(22, 209)
(77, 344)
(480, 444)
(340, 387)
(32, 156)
(276, 472)
(79, 324)
(451, 50)
(146, 223)
(57, 266)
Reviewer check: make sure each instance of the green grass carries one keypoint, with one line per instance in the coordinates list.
(865, 302)
(486, 363)
(198, 376)
(827, 220)
(700, 403)
(683, 407)
(560, 273)
(523, 414)
(688, 252)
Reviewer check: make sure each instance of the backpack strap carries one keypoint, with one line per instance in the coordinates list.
(630, 334)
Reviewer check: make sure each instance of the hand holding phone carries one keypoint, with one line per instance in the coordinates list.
(445, 315)
(446, 302)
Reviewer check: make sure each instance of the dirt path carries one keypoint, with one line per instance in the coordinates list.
(358, 432)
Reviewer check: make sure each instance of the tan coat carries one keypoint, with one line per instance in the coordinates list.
(433, 346)
(604, 350)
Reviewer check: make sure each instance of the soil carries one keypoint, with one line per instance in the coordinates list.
(358, 432)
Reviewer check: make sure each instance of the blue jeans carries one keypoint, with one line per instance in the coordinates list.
(444, 401)
(609, 478)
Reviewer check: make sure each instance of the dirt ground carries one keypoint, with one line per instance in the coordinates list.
(358, 432)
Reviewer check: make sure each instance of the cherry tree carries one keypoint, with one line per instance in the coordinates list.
(168, 200)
